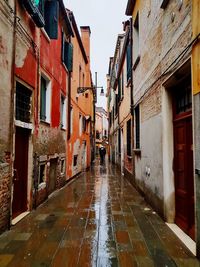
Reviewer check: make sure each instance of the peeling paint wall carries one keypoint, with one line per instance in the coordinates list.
(79, 144)
(166, 33)
(6, 52)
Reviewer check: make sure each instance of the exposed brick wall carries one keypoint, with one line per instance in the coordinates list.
(5, 196)
(151, 104)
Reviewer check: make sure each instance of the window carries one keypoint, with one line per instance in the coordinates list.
(97, 135)
(80, 125)
(137, 127)
(128, 62)
(119, 89)
(75, 160)
(67, 53)
(122, 81)
(63, 112)
(84, 124)
(42, 173)
(116, 104)
(119, 141)
(183, 98)
(62, 166)
(23, 103)
(45, 100)
(51, 17)
(33, 7)
(136, 42)
(79, 76)
(128, 137)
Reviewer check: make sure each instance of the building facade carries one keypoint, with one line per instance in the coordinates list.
(119, 104)
(81, 105)
(36, 63)
(101, 127)
(164, 92)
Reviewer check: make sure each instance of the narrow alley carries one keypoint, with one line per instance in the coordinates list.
(98, 219)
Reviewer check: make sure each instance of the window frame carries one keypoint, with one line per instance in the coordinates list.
(128, 138)
(137, 127)
(47, 114)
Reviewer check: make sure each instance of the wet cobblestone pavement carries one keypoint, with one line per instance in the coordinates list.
(97, 220)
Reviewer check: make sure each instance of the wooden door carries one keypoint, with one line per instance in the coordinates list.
(19, 203)
(52, 175)
(183, 162)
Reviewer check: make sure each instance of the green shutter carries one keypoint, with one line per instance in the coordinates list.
(62, 46)
(43, 99)
(68, 56)
(119, 89)
(51, 13)
(128, 62)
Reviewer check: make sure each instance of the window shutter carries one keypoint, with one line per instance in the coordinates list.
(68, 57)
(128, 63)
(51, 18)
(43, 100)
(62, 46)
(119, 89)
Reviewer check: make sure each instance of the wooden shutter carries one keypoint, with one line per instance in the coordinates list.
(128, 137)
(51, 14)
(128, 62)
(68, 56)
(62, 46)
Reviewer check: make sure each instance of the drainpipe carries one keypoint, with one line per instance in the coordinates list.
(12, 113)
(132, 101)
(69, 104)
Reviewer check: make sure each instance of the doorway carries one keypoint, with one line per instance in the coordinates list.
(52, 175)
(19, 203)
(183, 157)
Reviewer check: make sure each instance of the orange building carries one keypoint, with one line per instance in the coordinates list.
(81, 106)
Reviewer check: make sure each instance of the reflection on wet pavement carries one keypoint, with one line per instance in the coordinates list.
(97, 220)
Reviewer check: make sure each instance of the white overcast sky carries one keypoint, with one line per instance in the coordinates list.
(105, 19)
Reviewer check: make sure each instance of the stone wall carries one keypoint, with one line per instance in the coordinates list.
(5, 196)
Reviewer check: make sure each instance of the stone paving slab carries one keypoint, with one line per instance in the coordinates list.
(98, 220)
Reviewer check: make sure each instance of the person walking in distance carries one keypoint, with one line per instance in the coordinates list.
(102, 153)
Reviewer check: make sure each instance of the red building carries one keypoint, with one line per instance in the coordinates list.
(38, 55)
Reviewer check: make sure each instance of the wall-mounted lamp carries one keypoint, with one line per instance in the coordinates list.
(102, 92)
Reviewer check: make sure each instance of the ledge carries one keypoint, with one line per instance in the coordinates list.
(45, 123)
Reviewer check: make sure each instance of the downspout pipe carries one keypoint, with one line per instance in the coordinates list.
(131, 78)
(12, 111)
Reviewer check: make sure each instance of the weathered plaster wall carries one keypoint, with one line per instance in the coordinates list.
(6, 52)
(166, 33)
(82, 105)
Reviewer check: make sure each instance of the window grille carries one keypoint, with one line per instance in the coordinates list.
(128, 137)
(23, 103)
(137, 127)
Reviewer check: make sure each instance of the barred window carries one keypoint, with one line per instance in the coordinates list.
(128, 137)
(23, 103)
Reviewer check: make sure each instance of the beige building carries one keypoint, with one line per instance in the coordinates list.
(101, 127)
(159, 103)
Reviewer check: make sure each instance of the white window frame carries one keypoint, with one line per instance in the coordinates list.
(48, 98)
